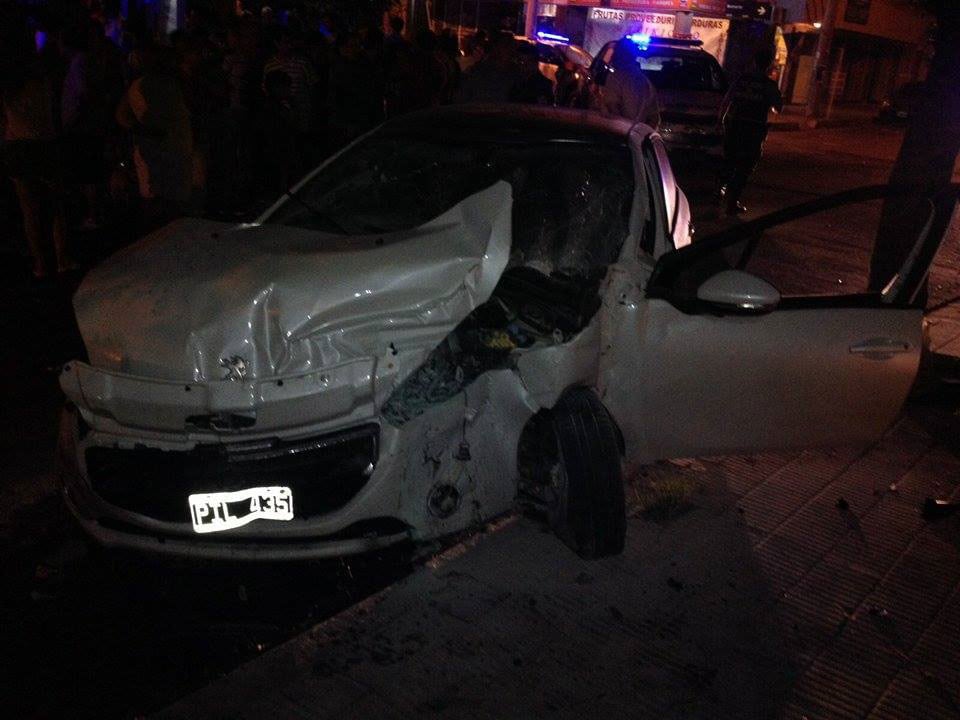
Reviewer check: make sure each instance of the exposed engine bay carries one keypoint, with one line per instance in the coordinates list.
(527, 308)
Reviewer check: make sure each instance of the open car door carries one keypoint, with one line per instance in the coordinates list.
(765, 337)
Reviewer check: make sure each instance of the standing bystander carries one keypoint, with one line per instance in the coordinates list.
(155, 112)
(31, 157)
(628, 92)
(752, 96)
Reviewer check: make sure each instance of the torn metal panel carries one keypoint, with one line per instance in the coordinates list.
(548, 371)
(466, 445)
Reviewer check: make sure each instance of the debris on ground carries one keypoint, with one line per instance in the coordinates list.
(675, 584)
(842, 504)
(665, 499)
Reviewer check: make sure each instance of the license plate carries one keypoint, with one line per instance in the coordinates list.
(219, 511)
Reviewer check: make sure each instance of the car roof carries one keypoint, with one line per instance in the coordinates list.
(578, 52)
(512, 122)
(665, 47)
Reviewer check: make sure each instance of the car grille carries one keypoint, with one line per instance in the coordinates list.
(324, 473)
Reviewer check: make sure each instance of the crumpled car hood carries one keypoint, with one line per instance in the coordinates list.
(184, 301)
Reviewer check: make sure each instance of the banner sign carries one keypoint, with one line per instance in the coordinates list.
(605, 24)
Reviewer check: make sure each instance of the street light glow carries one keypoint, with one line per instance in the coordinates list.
(552, 36)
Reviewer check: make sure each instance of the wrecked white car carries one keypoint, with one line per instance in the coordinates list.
(467, 307)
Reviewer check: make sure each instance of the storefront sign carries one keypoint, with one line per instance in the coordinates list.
(605, 24)
(718, 7)
(750, 9)
(644, 4)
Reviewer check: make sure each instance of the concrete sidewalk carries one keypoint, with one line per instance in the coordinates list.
(798, 586)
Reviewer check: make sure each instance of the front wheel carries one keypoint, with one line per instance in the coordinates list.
(582, 456)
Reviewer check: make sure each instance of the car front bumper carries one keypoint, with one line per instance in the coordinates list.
(358, 527)
(141, 539)
(450, 451)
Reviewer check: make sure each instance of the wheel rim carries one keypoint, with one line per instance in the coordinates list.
(557, 483)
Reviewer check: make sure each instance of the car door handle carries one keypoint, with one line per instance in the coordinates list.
(880, 346)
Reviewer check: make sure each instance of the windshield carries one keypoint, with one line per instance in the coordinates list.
(571, 200)
(577, 56)
(682, 71)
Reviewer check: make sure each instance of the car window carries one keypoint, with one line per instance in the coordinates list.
(682, 71)
(571, 200)
(824, 253)
(577, 56)
(820, 249)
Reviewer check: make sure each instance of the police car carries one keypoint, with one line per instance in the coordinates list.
(691, 88)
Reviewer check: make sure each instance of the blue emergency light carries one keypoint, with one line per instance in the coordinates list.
(552, 36)
(644, 41)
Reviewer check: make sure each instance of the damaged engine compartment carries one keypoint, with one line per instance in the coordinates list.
(527, 308)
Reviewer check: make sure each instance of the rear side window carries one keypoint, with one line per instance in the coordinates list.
(688, 71)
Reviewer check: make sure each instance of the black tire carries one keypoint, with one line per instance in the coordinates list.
(589, 514)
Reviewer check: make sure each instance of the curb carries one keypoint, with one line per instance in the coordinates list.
(797, 125)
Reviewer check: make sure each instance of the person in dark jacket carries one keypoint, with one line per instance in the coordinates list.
(531, 87)
(628, 93)
(751, 98)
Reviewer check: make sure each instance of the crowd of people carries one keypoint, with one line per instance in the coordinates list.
(104, 116)
(218, 116)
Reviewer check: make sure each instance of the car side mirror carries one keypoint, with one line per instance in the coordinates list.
(738, 291)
